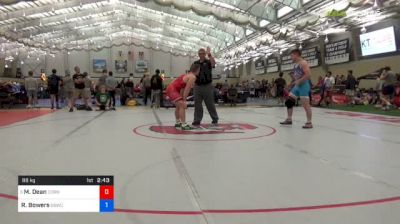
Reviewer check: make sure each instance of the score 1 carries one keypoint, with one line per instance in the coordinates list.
(106, 198)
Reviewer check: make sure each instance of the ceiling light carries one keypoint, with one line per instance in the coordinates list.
(22, 62)
(363, 29)
(326, 39)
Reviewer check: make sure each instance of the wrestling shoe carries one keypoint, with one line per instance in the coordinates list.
(286, 122)
(178, 125)
(186, 127)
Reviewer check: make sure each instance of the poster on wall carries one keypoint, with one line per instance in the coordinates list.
(141, 63)
(311, 55)
(121, 66)
(286, 62)
(99, 65)
(272, 65)
(337, 52)
(260, 66)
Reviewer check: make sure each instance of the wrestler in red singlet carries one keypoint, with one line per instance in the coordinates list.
(178, 91)
(174, 89)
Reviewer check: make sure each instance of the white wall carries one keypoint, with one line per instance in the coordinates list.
(172, 65)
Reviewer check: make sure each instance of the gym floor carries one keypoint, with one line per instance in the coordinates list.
(250, 170)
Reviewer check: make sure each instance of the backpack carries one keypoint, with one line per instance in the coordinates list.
(53, 81)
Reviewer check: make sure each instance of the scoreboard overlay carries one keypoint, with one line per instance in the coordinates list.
(65, 194)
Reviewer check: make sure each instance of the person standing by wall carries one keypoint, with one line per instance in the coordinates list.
(129, 86)
(111, 84)
(328, 84)
(53, 85)
(88, 87)
(203, 89)
(31, 86)
(102, 80)
(280, 84)
(79, 90)
(68, 85)
(389, 80)
(351, 84)
(156, 88)
(146, 84)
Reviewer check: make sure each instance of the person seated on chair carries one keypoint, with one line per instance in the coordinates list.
(102, 99)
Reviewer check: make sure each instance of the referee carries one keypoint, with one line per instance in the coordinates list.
(203, 89)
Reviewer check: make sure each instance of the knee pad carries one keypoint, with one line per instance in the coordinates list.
(290, 102)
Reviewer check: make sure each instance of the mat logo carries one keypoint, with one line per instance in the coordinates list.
(230, 131)
(232, 128)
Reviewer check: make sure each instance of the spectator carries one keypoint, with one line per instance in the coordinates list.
(111, 85)
(389, 80)
(257, 89)
(156, 88)
(252, 88)
(53, 85)
(31, 86)
(280, 84)
(351, 84)
(68, 85)
(329, 82)
(102, 80)
(102, 98)
(129, 86)
(232, 95)
(79, 90)
(146, 84)
(88, 86)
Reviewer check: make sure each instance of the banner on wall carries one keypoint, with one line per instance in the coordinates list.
(311, 55)
(141, 63)
(286, 62)
(99, 65)
(121, 66)
(260, 66)
(272, 65)
(337, 52)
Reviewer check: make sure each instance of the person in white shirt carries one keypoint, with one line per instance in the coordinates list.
(327, 87)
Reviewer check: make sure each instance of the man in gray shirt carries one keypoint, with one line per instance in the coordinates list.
(102, 80)
(68, 85)
(111, 84)
(31, 86)
(146, 84)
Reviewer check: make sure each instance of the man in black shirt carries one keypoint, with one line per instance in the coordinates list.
(280, 84)
(156, 88)
(351, 84)
(53, 85)
(79, 90)
(204, 90)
